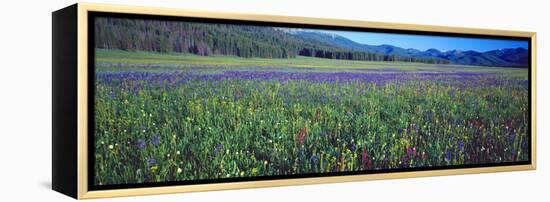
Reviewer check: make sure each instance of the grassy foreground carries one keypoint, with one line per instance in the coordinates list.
(174, 117)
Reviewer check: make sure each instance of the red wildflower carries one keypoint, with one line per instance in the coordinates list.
(476, 123)
(318, 113)
(303, 134)
(508, 124)
(369, 164)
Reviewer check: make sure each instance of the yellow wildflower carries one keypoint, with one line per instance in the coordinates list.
(154, 168)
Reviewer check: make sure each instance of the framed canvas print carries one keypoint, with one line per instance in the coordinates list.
(156, 100)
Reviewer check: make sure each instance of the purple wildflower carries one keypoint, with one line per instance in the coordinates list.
(449, 156)
(141, 144)
(352, 147)
(150, 161)
(323, 133)
(218, 148)
(512, 136)
(314, 159)
(155, 140)
(409, 152)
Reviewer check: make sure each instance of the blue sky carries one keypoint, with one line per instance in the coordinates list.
(423, 42)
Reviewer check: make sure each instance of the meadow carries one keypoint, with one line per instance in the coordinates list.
(177, 117)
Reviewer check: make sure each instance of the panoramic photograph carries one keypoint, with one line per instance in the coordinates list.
(183, 101)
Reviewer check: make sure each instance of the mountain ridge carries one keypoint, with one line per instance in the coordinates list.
(275, 42)
(508, 57)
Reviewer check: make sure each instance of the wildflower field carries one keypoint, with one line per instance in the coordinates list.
(177, 117)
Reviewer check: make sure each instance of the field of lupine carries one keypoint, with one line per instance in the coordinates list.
(181, 117)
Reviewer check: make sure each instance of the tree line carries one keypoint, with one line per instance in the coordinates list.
(366, 56)
(197, 38)
(221, 39)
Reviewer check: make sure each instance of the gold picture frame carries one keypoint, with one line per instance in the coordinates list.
(78, 187)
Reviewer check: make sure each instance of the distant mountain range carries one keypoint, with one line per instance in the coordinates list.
(512, 57)
(272, 42)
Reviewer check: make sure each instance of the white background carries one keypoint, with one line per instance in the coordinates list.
(25, 102)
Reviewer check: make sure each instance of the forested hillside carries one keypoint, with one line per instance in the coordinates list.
(197, 38)
(222, 39)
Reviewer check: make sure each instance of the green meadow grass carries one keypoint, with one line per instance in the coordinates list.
(151, 130)
(125, 57)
